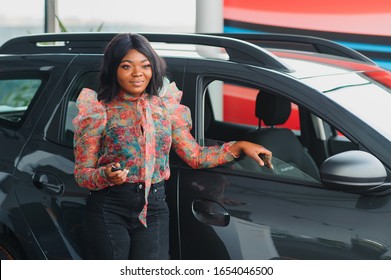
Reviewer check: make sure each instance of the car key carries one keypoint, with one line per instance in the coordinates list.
(114, 168)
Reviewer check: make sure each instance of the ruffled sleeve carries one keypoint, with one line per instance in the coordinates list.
(89, 125)
(180, 114)
(183, 142)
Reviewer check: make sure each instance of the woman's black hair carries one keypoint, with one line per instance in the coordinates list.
(113, 55)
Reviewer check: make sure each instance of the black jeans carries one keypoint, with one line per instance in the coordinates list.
(111, 227)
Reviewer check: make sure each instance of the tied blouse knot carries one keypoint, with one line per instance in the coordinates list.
(137, 133)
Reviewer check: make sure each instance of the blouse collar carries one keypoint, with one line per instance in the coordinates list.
(124, 96)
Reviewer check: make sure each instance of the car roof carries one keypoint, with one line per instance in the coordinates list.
(305, 68)
(310, 56)
(298, 56)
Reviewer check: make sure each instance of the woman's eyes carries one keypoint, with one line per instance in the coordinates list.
(127, 67)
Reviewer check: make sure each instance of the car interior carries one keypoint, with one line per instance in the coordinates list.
(274, 110)
(296, 152)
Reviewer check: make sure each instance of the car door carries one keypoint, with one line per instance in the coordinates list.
(243, 211)
(25, 89)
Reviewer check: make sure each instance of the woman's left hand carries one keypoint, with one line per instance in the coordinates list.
(116, 177)
(257, 152)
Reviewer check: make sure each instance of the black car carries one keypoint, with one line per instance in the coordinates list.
(322, 109)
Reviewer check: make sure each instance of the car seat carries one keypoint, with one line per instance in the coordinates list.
(282, 142)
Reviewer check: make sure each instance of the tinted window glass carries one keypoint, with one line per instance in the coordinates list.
(16, 96)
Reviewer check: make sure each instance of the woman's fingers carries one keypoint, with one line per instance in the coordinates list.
(267, 159)
(116, 175)
(259, 153)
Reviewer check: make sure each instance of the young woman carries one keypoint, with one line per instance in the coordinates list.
(123, 137)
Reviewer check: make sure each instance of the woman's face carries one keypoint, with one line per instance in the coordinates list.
(134, 73)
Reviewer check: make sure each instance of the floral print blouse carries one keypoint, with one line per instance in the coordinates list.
(138, 133)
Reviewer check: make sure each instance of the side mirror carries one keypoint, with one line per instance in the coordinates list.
(353, 171)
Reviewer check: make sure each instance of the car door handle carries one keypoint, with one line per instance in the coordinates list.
(210, 212)
(48, 182)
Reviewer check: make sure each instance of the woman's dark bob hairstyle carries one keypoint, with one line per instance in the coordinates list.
(113, 55)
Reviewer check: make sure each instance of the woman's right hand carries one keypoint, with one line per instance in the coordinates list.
(116, 177)
(257, 152)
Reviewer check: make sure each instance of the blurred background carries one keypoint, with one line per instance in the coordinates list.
(361, 25)
(22, 17)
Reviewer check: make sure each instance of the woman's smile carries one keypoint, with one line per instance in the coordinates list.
(137, 83)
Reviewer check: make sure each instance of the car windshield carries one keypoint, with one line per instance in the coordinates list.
(364, 98)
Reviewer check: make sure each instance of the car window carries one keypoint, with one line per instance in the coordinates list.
(16, 95)
(230, 114)
(280, 169)
(235, 103)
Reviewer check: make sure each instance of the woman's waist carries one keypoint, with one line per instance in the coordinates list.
(135, 187)
(141, 185)
(137, 172)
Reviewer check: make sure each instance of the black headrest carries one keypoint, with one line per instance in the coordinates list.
(272, 109)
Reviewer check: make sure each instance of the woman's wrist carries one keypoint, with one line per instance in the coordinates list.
(236, 149)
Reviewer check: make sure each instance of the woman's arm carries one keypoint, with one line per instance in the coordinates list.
(89, 125)
(211, 156)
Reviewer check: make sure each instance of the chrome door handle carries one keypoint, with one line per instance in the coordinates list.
(48, 182)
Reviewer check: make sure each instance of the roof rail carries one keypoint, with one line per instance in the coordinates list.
(320, 45)
(237, 50)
